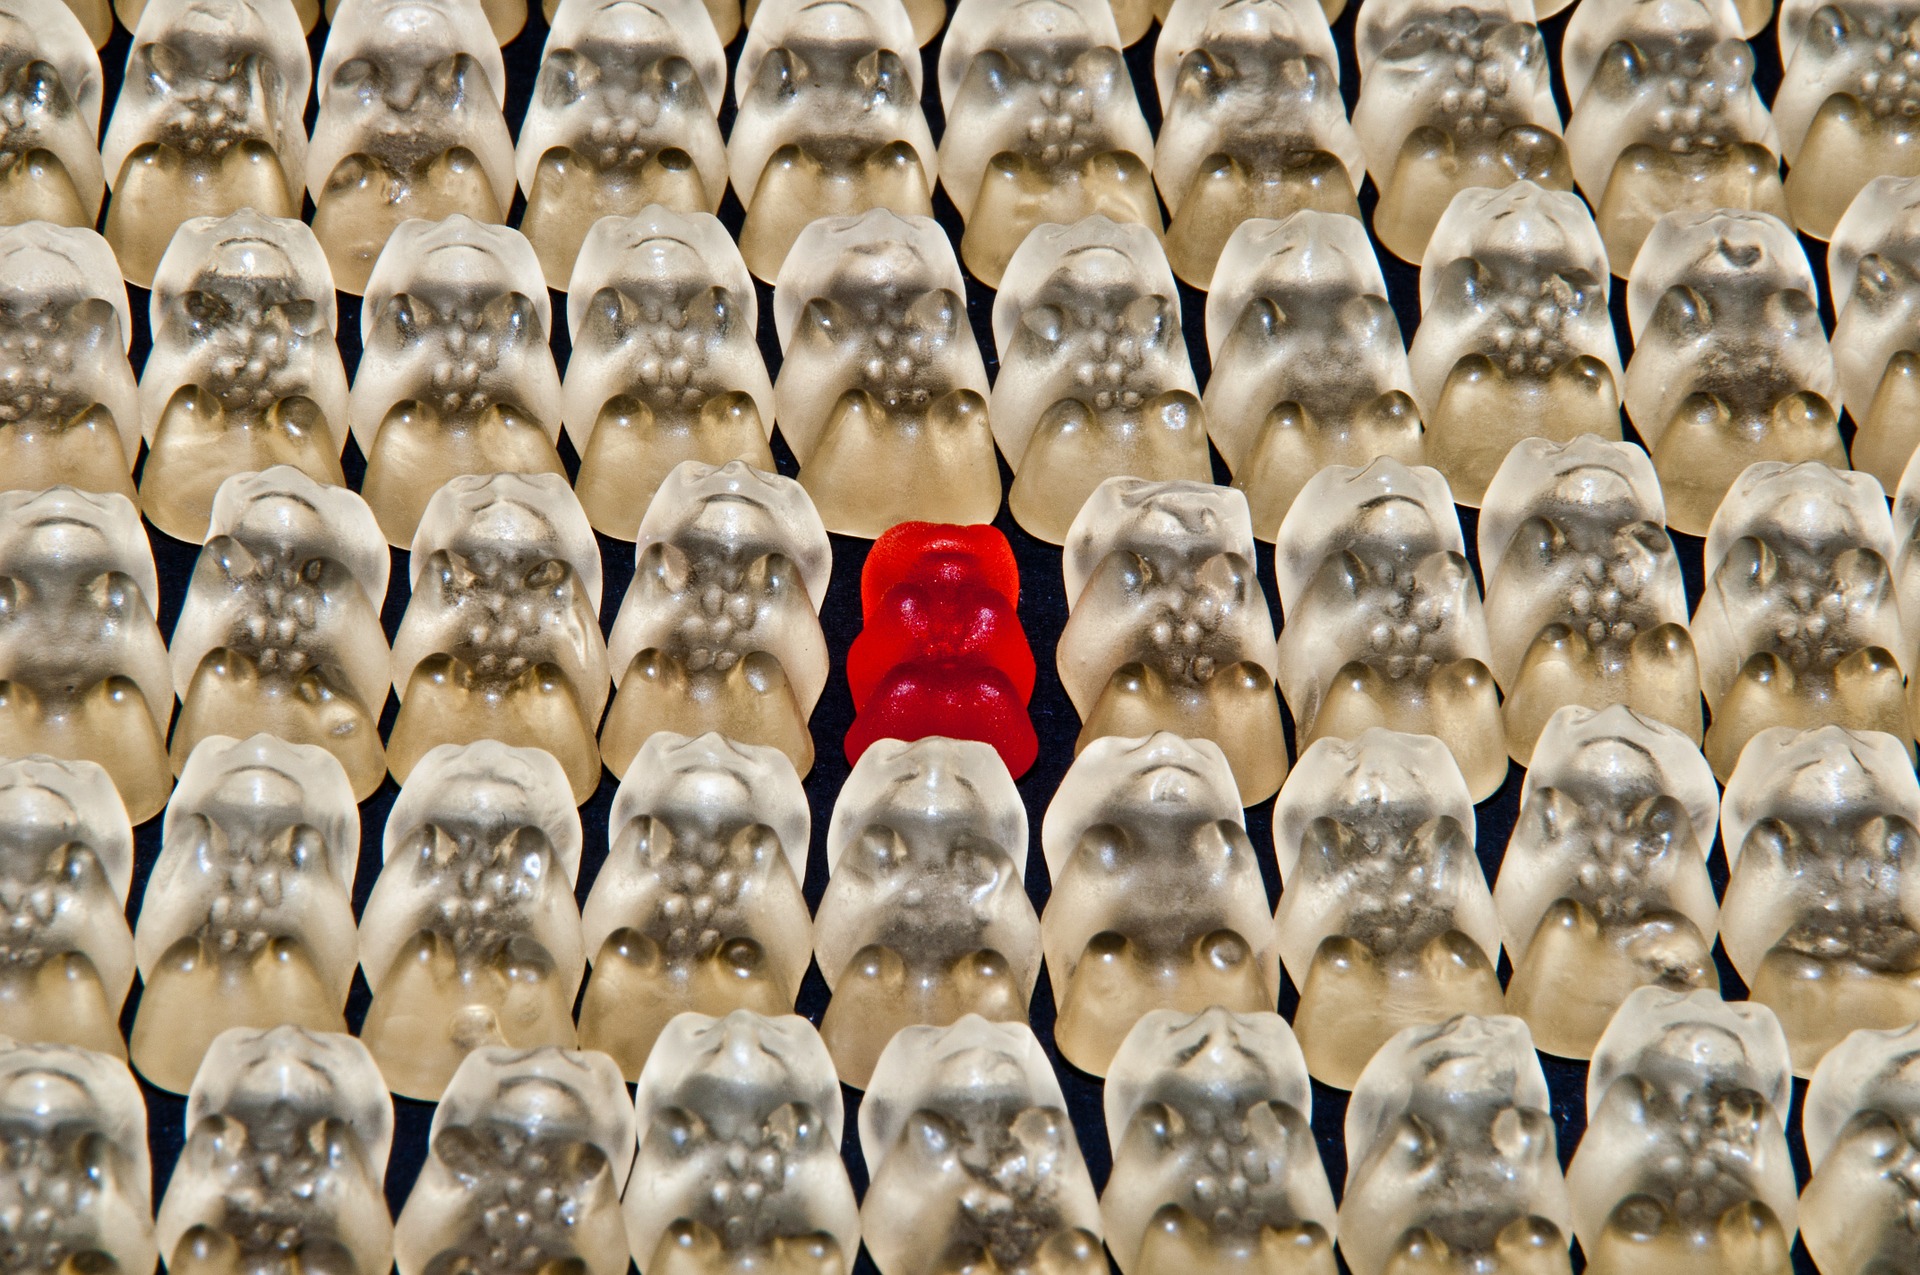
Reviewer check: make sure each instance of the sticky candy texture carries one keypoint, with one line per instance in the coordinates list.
(287, 1138)
(83, 669)
(457, 377)
(1452, 97)
(248, 915)
(1584, 588)
(1820, 828)
(52, 113)
(1684, 1164)
(1192, 1102)
(526, 1159)
(66, 856)
(882, 392)
(1873, 269)
(1042, 124)
(925, 916)
(1858, 1117)
(1254, 123)
(666, 364)
(829, 121)
(490, 546)
(1384, 625)
(720, 628)
(1515, 340)
(1452, 1164)
(926, 554)
(973, 1158)
(1604, 885)
(739, 1122)
(471, 936)
(1157, 900)
(1384, 919)
(1799, 625)
(244, 373)
(623, 116)
(698, 906)
(1308, 366)
(1666, 118)
(409, 126)
(1167, 626)
(280, 631)
(72, 413)
(78, 1191)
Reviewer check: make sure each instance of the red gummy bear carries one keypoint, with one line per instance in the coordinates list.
(961, 700)
(938, 552)
(962, 622)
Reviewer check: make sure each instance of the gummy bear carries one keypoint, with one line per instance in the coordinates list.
(698, 906)
(1385, 920)
(1604, 884)
(1859, 1119)
(280, 631)
(929, 554)
(1308, 366)
(66, 859)
(248, 916)
(244, 373)
(51, 114)
(623, 117)
(925, 916)
(882, 393)
(1873, 267)
(457, 377)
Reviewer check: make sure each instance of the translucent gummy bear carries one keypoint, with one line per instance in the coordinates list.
(1859, 1119)
(1383, 619)
(1308, 366)
(1167, 626)
(471, 936)
(882, 392)
(248, 916)
(623, 116)
(210, 122)
(507, 18)
(926, 916)
(739, 1124)
(720, 628)
(83, 669)
(1255, 125)
(244, 373)
(501, 638)
(973, 1158)
(1820, 829)
(1666, 117)
(1385, 920)
(280, 631)
(1452, 97)
(1604, 885)
(1453, 1165)
(1157, 900)
(1874, 273)
(287, 1134)
(1684, 1165)
(1515, 340)
(457, 377)
(78, 1190)
(1584, 588)
(698, 906)
(666, 362)
(1799, 625)
(1042, 124)
(526, 1159)
(66, 859)
(1094, 378)
(1193, 1102)
(51, 115)
(72, 412)
(409, 126)
(829, 121)
(1730, 363)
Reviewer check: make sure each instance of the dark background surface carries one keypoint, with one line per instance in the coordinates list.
(1042, 610)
